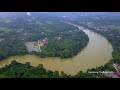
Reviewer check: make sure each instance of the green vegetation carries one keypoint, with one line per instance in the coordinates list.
(114, 27)
(4, 30)
(18, 70)
(39, 23)
(49, 22)
(66, 45)
(64, 40)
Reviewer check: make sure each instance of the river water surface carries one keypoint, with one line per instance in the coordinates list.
(97, 52)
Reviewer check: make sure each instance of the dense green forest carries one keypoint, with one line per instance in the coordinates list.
(64, 40)
(19, 70)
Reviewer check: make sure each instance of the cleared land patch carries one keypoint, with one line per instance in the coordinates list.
(35, 46)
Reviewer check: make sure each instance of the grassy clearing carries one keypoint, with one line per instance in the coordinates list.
(3, 76)
(49, 22)
(114, 27)
(39, 23)
(4, 29)
(47, 30)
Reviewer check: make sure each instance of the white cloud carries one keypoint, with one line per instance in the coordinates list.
(28, 13)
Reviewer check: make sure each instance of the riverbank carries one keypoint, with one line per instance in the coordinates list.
(19, 70)
(110, 36)
(97, 52)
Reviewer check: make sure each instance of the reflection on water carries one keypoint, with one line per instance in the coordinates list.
(96, 53)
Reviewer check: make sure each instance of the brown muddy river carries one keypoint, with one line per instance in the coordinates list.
(97, 52)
